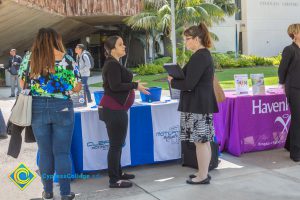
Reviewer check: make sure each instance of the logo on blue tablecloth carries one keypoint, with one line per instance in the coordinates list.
(171, 135)
(22, 176)
(102, 145)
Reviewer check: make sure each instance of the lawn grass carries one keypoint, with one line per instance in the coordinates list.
(225, 77)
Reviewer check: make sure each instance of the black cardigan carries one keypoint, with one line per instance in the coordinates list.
(197, 93)
(117, 80)
(289, 68)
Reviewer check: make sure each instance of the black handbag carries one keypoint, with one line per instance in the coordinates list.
(189, 158)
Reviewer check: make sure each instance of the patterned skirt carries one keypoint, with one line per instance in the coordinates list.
(196, 127)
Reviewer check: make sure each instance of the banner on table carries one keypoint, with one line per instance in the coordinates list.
(96, 144)
(262, 125)
(258, 84)
(166, 132)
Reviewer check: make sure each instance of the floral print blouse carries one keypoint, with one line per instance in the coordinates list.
(58, 85)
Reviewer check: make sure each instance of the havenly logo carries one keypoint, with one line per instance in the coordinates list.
(259, 107)
(284, 121)
(170, 136)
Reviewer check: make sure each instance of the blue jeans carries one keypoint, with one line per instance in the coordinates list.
(52, 124)
(84, 80)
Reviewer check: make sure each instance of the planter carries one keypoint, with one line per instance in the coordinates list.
(2, 83)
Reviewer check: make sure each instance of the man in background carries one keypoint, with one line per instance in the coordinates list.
(84, 63)
(13, 68)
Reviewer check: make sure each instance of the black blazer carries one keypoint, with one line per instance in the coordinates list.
(289, 68)
(117, 80)
(197, 93)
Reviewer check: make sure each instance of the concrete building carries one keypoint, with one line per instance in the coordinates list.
(79, 21)
(261, 27)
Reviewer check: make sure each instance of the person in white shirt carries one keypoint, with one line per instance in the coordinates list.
(84, 65)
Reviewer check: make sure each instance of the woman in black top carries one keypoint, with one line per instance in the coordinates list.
(289, 73)
(197, 99)
(118, 97)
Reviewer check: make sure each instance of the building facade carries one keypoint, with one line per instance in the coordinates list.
(260, 28)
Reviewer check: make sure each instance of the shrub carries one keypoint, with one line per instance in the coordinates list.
(276, 59)
(149, 69)
(162, 61)
(245, 62)
(224, 61)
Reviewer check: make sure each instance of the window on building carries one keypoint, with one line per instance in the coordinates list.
(238, 15)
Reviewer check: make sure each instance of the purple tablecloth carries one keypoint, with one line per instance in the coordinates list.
(252, 123)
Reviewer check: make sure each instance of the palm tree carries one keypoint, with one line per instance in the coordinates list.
(227, 6)
(156, 16)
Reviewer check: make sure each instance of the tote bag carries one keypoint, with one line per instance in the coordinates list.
(220, 95)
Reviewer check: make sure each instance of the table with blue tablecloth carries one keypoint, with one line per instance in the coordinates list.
(244, 124)
(153, 136)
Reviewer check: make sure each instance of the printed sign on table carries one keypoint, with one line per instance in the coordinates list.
(79, 99)
(241, 84)
(258, 83)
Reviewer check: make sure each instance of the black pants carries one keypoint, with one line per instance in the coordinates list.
(116, 124)
(293, 138)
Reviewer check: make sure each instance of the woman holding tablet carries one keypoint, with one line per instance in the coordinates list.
(197, 99)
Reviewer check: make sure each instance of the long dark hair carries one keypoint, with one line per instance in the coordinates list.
(110, 44)
(42, 57)
(200, 31)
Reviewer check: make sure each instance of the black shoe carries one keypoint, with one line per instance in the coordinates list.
(12, 96)
(127, 176)
(194, 176)
(47, 195)
(68, 197)
(121, 184)
(205, 181)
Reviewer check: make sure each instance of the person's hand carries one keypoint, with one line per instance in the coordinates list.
(142, 88)
(282, 87)
(170, 78)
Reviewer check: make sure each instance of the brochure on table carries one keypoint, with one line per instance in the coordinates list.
(79, 99)
(241, 84)
(258, 84)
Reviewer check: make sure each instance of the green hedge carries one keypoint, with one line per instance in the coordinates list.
(228, 60)
(149, 69)
(153, 68)
(221, 60)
